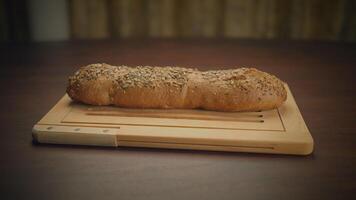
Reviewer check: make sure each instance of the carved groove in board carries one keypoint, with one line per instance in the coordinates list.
(193, 144)
(256, 118)
(197, 127)
(83, 124)
(189, 118)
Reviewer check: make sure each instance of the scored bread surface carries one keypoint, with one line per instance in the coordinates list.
(241, 89)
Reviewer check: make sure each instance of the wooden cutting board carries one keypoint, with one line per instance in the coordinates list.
(281, 130)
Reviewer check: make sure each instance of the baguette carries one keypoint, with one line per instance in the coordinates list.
(242, 89)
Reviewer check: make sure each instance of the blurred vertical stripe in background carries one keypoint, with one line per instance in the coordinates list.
(48, 20)
(14, 21)
(51, 20)
(89, 19)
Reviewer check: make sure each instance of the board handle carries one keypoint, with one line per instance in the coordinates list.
(54, 134)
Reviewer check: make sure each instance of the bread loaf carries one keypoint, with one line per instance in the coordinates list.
(242, 89)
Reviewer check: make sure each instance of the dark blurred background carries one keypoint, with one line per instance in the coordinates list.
(57, 20)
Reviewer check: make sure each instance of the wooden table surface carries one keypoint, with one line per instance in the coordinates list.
(321, 76)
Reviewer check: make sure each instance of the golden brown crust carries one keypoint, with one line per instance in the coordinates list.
(242, 89)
